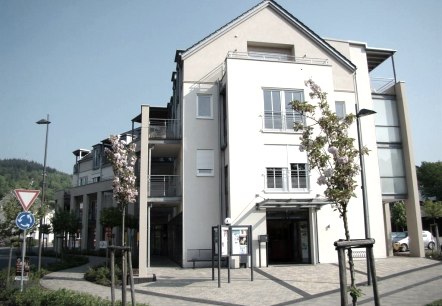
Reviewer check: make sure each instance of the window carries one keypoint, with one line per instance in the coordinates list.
(83, 180)
(278, 115)
(298, 175)
(204, 107)
(204, 162)
(274, 178)
(340, 109)
(97, 157)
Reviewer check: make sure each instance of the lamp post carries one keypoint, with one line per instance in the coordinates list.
(362, 113)
(45, 122)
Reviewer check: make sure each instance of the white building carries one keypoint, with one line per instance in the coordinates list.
(224, 146)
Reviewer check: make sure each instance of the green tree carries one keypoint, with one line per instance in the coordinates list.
(429, 176)
(433, 210)
(110, 217)
(332, 152)
(65, 223)
(398, 215)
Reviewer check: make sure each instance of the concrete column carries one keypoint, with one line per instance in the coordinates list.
(84, 220)
(143, 193)
(98, 227)
(414, 219)
(387, 226)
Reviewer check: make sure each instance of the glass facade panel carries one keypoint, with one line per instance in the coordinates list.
(386, 110)
(393, 186)
(388, 134)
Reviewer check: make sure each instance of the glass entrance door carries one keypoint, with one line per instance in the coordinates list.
(288, 233)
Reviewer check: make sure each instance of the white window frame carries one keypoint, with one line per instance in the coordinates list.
(286, 180)
(204, 116)
(205, 162)
(273, 178)
(340, 104)
(299, 177)
(285, 111)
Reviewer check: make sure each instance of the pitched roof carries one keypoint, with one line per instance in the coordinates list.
(283, 13)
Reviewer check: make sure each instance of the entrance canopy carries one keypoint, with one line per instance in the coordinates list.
(292, 203)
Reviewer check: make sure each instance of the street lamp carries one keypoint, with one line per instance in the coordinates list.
(362, 113)
(46, 122)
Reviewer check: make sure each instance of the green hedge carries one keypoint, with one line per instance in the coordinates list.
(38, 297)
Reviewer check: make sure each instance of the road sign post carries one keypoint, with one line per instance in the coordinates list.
(25, 220)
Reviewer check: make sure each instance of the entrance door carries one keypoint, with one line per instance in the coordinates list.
(288, 233)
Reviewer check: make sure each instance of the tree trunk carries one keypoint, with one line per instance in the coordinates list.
(123, 259)
(350, 258)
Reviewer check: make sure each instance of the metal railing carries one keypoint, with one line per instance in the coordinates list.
(279, 122)
(164, 129)
(285, 180)
(164, 185)
(381, 85)
(277, 57)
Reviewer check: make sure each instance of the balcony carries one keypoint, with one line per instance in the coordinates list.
(164, 186)
(382, 86)
(276, 57)
(164, 129)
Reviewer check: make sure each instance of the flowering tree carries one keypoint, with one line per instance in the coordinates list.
(332, 152)
(122, 157)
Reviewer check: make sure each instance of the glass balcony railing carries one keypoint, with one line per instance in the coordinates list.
(165, 185)
(164, 129)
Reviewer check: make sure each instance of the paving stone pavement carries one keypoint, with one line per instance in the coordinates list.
(401, 281)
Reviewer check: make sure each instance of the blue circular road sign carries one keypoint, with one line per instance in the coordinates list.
(25, 220)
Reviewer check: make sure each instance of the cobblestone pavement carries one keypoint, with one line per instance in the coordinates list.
(400, 280)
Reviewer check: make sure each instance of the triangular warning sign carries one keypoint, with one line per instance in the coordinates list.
(26, 197)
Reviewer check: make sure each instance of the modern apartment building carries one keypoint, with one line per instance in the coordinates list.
(225, 147)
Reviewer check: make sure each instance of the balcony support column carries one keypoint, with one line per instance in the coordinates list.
(98, 228)
(143, 261)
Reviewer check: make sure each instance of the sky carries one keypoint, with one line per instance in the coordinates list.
(91, 64)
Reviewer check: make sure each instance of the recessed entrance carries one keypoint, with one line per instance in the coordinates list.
(288, 233)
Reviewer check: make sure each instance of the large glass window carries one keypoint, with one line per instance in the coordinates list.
(298, 175)
(272, 109)
(391, 169)
(293, 116)
(387, 121)
(278, 115)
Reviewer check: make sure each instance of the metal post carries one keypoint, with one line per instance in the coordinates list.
(362, 113)
(23, 251)
(46, 122)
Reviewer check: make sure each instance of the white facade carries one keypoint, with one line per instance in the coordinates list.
(224, 146)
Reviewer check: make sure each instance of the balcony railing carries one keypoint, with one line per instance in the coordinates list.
(277, 57)
(284, 180)
(381, 85)
(164, 129)
(279, 122)
(165, 185)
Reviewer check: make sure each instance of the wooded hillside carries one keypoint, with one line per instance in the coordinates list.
(19, 173)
